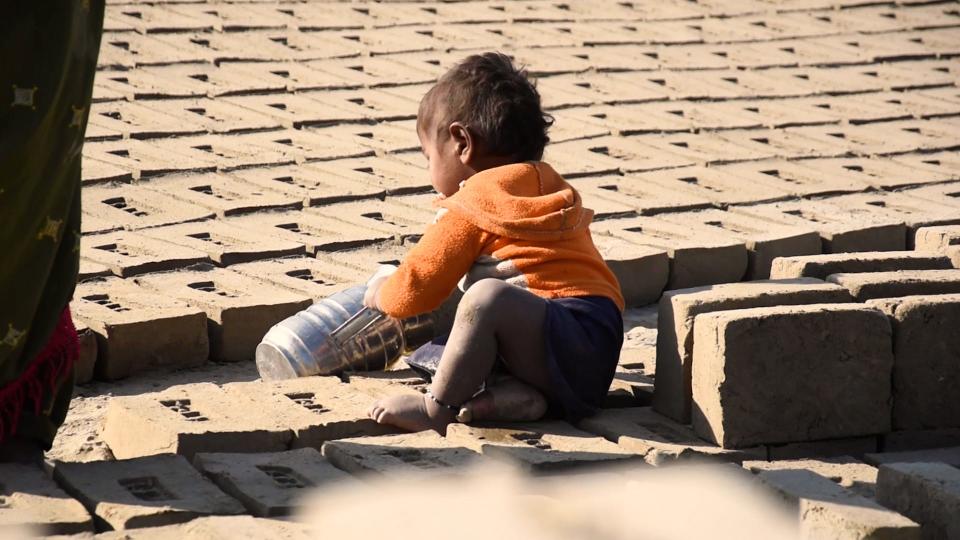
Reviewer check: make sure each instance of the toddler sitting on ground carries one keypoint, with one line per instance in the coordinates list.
(538, 297)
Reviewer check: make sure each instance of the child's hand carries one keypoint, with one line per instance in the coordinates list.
(374, 283)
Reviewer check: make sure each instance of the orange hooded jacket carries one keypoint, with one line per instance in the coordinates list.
(522, 223)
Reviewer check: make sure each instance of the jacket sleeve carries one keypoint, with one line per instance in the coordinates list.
(432, 268)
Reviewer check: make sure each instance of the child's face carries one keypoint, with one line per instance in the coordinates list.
(448, 154)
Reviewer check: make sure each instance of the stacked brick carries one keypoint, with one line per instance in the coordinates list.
(803, 365)
(710, 138)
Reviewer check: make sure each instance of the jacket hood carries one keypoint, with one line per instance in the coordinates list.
(526, 201)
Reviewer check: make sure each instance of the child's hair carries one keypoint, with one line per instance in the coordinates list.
(495, 101)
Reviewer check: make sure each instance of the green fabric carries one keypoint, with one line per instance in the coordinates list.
(48, 58)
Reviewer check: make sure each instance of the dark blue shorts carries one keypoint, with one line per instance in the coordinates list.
(583, 340)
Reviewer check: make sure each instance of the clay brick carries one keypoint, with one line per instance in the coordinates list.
(928, 493)
(239, 309)
(138, 329)
(223, 194)
(398, 174)
(949, 456)
(216, 115)
(793, 178)
(189, 419)
(270, 77)
(163, 81)
(129, 254)
(387, 137)
(368, 104)
(387, 383)
(311, 277)
(225, 244)
(540, 446)
(95, 171)
(639, 194)
(878, 173)
(925, 369)
(915, 212)
(676, 324)
(395, 219)
(841, 229)
(147, 158)
(131, 119)
(369, 72)
(91, 270)
(850, 446)
(782, 374)
(231, 152)
(316, 409)
(943, 240)
(143, 492)
(848, 472)
(639, 339)
(774, 143)
(272, 484)
(147, 19)
(697, 256)
(218, 528)
(291, 110)
(358, 264)
(702, 148)
(945, 165)
(826, 510)
(659, 439)
(899, 441)
(309, 184)
(398, 455)
(714, 185)
(630, 388)
(642, 271)
(31, 502)
(318, 232)
(765, 241)
(607, 155)
(821, 266)
(87, 360)
(134, 208)
(872, 285)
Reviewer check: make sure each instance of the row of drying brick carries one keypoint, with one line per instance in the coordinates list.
(776, 361)
(398, 188)
(133, 159)
(128, 48)
(315, 96)
(180, 17)
(136, 492)
(650, 254)
(138, 323)
(580, 106)
(172, 232)
(837, 498)
(180, 319)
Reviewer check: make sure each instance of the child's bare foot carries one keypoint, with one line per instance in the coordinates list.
(508, 400)
(410, 413)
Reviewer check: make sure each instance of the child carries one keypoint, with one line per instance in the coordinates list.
(552, 313)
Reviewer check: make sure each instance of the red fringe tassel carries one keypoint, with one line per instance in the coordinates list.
(41, 376)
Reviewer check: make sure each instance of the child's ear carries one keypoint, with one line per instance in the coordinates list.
(463, 141)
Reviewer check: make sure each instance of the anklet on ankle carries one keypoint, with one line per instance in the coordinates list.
(453, 408)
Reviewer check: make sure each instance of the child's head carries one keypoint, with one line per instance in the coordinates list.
(482, 113)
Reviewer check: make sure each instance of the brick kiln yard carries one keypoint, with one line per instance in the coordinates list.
(246, 158)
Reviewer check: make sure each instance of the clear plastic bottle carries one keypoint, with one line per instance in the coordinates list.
(338, 334)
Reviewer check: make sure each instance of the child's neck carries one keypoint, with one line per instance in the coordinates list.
(483, 163)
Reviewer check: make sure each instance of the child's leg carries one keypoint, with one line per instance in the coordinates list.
(492, 317)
